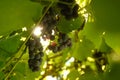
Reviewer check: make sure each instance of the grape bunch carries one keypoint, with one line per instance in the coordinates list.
(63, 42)
(69, 10)
(35, 53)
(100, 60)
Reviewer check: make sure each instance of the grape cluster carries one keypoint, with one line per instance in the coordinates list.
(35, 53)
(49, 22)
(100, 60)
(69, 11)
(62, 42)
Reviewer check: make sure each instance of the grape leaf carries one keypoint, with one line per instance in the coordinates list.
(15, 14)
(113, 74)
(104, 47)
(1, 74)
(10, 45)
(82, 49)
(106, 20)
(89, 75)
(67, 26)
(73, 75)
(22, 70)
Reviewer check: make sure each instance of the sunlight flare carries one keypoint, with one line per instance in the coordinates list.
(38, 31)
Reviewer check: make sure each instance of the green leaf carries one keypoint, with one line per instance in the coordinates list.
(113, 74)
(67, 26)
(90, 75)
(106, 15)
(82, 49)
(10, 45)
(73, 75)
(17, 76)
(104, 47)
(15, 14)
(1, 74)
(23, 72)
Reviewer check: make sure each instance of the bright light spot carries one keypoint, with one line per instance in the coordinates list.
(65, 73)
(44, 43)
(77, 78)
(50, 78)
(77, 1)
(14, 74)
(86, 16)
(42, 72)
(53, 32)
(1, 36)
(68, 63)
(24, 29)
(22, 38)
(37, 30)
(82, 72)
(64, 67)
(45, 65)
(16, 33)
(50, 67)
(83, 11)
(81, 40)
(72, 59)
(79, 69)
(51, 62)
(103, 33)
(90, 59)
(90, 19)
(73, 19)
(83, 4)
(92, 51)
(36, 78)
(48, 52)
(83, 66)
(103, 67)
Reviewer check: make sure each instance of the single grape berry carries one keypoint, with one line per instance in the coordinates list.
(68, 42)
(41, 54)
(31, 56)
(36, 62)
(30, 62)
(37, 56)
(61, 47)
(75, 11)
(52, 37)
(66, 11)
(36, 68)
(55, 49)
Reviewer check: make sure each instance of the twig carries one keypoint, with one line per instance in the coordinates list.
(55, 56)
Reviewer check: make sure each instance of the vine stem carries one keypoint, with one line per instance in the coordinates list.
(14, 66)
(44, 13)
(22, 48)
